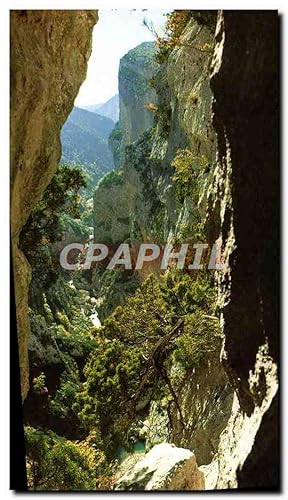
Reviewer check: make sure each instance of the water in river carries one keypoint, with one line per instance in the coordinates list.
(138, 447)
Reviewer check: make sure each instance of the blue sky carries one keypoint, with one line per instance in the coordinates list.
(116, 32)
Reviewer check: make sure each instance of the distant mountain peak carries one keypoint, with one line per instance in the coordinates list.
(109, 109)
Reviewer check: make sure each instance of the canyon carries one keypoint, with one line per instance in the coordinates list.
(206, 106)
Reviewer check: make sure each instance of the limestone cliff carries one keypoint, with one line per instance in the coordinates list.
(166, 468)
(241, 181)
(205, 398)
(49, 54)
(183, 121)
(184, 97)
(185, 124)
(246, 201)
(148, 208)
(220, 102)
(136, 69)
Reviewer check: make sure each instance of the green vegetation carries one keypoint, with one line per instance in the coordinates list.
(175, 25)
(163, 114)
(113, 286)
(59, 346)
(138, 154)
(39, 384)
(53, 216)
(57, 464)
(199, 338)
(175, 313)
(187, 166)
(113, 178)
(90, 387)
(114, 141)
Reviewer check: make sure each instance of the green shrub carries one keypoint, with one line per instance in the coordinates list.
(187, 166)
(113, 178)
(175, 25)
(57, 464)
(38, 384)
(45, 225)
(201, 336)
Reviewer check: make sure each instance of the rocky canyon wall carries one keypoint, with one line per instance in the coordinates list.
(246, 186)
(221, 90)
(49, 55)
(136, 69)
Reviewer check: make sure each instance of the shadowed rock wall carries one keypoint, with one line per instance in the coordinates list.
(246, 184)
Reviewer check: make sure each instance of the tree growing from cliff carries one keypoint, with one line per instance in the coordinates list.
(187, 167)
(175, 26)
(134, 347)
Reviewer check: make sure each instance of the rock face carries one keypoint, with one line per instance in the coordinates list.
(156, 426)
(210, 472)
(205, 398)
(183, 87)
(148, 210)
(49, 54)
(245, 86)
(136, 69)
(187, 97)
(165, 467)
(241, 182)
(185, 122)
(184, 99)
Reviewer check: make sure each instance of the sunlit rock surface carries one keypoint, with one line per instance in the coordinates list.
(165, 467)
(49, 55)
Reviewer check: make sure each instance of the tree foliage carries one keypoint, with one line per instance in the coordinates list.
(46, 224)
(134, 346)
(57, 464)
(175, 25)
(187, 167)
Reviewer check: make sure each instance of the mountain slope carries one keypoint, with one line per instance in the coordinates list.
(84, 139)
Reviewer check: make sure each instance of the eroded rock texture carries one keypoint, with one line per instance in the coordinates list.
(135, 71)
(49, 54)
(165, 467)
(205, 398)
(245, 86)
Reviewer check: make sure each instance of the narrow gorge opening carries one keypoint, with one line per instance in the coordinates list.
(132, 171)
(127, 389)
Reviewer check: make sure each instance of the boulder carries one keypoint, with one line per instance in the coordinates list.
(165, 467)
